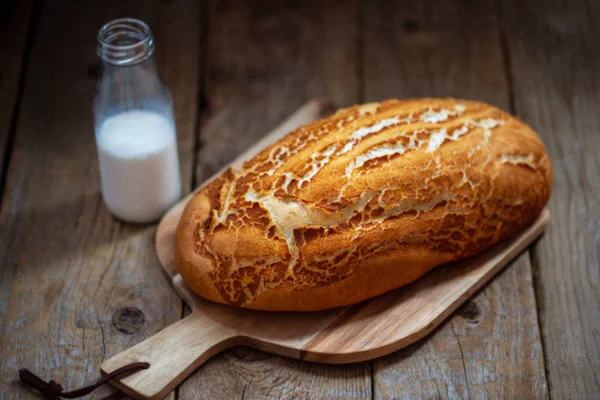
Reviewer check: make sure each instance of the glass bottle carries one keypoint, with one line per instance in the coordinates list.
(134, 126)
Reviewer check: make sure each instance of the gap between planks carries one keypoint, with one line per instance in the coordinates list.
(34, 16)
(532, 250)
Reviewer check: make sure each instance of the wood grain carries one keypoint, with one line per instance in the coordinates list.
(492, 349)
(14, 26)
(67, 266)
(265, 59)
(554, 52)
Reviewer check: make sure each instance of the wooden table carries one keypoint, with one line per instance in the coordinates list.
(77, 286)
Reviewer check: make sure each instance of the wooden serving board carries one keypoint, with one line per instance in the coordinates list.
(356, 333)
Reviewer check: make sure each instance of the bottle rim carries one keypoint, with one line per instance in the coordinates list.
(138, 42)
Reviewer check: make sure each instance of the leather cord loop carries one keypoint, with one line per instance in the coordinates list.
(53, 390)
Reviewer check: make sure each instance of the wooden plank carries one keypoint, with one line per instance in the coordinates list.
(553, 47)
(15, 22)
(245, 373)
(77, 285)
(265, 59)
(490, 348)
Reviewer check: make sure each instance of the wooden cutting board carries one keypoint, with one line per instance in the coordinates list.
(356, 333)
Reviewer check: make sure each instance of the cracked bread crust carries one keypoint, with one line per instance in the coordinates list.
(362, 202)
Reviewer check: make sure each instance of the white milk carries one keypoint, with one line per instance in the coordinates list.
(139, 169)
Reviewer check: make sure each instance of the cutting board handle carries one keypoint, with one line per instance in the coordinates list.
(173, 354)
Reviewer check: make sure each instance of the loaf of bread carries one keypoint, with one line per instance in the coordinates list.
(362, 202)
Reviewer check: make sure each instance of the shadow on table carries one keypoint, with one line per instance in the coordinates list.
(41, 236)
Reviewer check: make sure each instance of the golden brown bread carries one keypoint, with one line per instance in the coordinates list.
(362, 202)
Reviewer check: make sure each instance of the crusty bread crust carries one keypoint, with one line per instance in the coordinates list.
(362, 202)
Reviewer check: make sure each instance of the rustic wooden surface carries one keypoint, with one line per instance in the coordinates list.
(555, 68)
(77, 286)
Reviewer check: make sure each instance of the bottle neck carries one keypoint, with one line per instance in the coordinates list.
(133, 80)
(146, 67)
(125, 42)
(130, 80)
